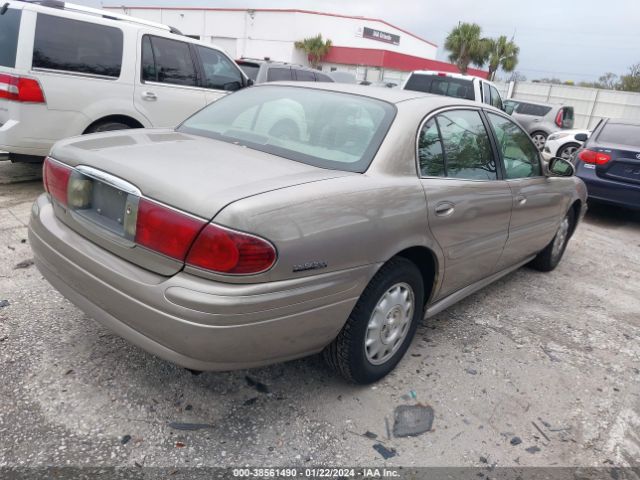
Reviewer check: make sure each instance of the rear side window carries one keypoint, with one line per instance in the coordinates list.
(486, 93)
(75, 46)
(532, 109)
(275, 74)
(441, 85)
(430, 151)
(621, 134)
(219, 72)
(305, 76)
(167, 61)
(321, 77)
(9, 27)
(250, 69)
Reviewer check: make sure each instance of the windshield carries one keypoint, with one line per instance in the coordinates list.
(321, 128)
(9, 27)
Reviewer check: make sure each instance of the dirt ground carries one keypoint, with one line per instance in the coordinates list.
(553, 359)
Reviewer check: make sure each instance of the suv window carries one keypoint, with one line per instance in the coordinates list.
(9, 27)
(167, 61)
(279, 73)
(441, 85)
(496, 100)
(531, 109)
(250, 69)
(520, 157)
(75, 46)
(486, 93)
(219, 71)
(304, 75)
(464, 142)
(321, 77)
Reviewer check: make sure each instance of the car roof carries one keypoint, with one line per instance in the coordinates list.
(622, 121)
(451, 74)
(542, 104)
(389, 95)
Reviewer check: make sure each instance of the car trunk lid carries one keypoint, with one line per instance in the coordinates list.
(194, 175)
(624, 165)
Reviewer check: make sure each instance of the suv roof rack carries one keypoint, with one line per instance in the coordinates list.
(102, 13)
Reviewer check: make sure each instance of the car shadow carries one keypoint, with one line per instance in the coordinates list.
(609, 216)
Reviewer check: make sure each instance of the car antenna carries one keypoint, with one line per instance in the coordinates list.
(4, 8)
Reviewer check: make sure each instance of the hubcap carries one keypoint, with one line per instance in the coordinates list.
(568, 153)
(539, 140)
(389, 323)
(561, 238)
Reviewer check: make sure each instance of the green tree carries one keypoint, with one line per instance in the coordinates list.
(315, 48)
(608, 81)
(467, 46)
(631, 81)
(503, 54)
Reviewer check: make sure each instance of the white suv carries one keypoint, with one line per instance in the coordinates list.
(454, 85)
(68, 70)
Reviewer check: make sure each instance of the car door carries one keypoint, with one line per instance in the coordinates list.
(219, 74)
(538, 200)
(167, 90)
(468, 205)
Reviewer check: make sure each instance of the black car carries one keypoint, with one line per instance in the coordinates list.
(260, 71)
(609, 163)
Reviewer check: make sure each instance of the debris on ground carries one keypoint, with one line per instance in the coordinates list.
(412, 420)
(189, 426)
(4, 303)
(24, 264)
(250, 401)
(540, 430)
(484, 460)
(188, 408)
(471, 371)
(2, 339)
(370, 435)
(69, 372)
(533, 449)
(125, 439)
(385, 452)
(180, 445)
(259, 386)
(516, 441)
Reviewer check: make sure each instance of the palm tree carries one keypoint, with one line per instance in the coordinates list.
(503, 54)
(315, 48)
(466, 46)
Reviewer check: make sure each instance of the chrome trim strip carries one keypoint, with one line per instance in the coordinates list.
(72, 74)
(109, 179)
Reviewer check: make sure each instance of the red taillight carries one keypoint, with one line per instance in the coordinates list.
(165, 230)
(559, 117)
(55, 177)
(597, 158)
(228, 251)
(20, 89)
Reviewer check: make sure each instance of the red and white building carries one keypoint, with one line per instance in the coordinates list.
(372, 49)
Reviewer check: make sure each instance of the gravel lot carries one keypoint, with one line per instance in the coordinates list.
(553, 359)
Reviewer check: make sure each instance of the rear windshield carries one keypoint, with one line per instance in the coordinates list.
(532, 109)
(325, 129)
(620, 134)
(75, 46)
(9, 27)
(441, 85)
(250, 69)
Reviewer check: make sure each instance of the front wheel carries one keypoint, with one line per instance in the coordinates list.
(539, 139)
(568, 151)
(550, 257)
(381, 326)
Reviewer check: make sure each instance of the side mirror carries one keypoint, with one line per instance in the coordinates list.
(232, 86)
(559, 167)
(249, 82)
(581, 137)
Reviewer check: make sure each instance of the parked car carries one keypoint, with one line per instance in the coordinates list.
(563, 144)
(540, 119)
(67, 70)
(266, 70)
(454, 85)
(254, 248)
(609, 163)
(343, 77)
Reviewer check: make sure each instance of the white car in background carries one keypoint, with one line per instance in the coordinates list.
(563, 144)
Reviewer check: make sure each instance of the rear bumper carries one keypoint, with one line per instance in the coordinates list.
(609, 191)
(187, 320)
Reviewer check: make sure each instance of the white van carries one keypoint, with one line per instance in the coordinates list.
(454, 85)
(68, 70)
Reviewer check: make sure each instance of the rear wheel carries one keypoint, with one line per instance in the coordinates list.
(568, 151)
(550, 257)
(539, 139)
(107, 126)
(381, 325)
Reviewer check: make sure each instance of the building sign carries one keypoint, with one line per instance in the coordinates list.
(381, 36)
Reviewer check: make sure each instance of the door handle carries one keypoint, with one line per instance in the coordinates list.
(521, 200)
(445, 209)
(149, 96)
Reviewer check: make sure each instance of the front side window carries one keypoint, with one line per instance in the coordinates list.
(305, 76)
(278, 74)
(321, 77)
(496, 100)
(9, 28)
(167, 61)
(321, 128)
(467, 149)
(219, 72)
(75, 46)
(486, 93)
(520, 157)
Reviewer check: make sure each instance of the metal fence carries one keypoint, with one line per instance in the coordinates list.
(590, 104)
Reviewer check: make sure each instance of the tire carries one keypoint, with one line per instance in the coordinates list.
(539, 138)
(549, 258)
(568, 151)
(398, 280)
(107, 126)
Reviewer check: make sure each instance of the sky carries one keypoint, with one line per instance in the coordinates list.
(575, 40)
